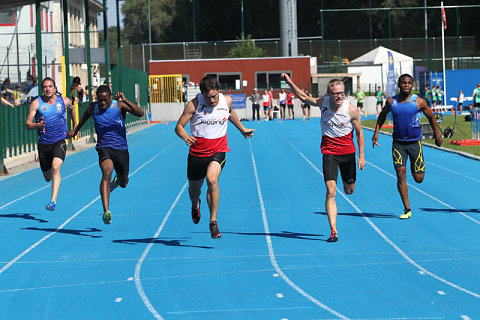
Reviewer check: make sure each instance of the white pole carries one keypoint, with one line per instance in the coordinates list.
(443, 58)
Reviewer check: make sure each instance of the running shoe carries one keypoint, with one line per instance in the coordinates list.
(406, 214)
(107, 217)
(214, 232)
(114, 184)
(50, 206)
(196, 213)
(333, 237)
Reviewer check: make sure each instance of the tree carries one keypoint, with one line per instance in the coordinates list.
(135, 27)
(246, 48)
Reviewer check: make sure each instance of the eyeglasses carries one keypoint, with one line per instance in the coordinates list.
(212, 97)
(341, 93)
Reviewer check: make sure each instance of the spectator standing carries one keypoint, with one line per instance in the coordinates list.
(476, 96)
(439, 95)
(360, 96)
(282, 100)
(306, 107)
(380, 94)
(428, 96)
(460, 99)
(266, 103)
(290, 97)
(270, 111)
(255, 104)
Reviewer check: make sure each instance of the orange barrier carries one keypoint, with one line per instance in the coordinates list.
(466, 142)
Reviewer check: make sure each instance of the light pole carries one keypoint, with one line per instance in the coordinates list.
(194, 26)
(150, 29)
(243, 29)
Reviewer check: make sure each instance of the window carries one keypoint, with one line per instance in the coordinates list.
(227, 80)
(7, 17)
(267, 79)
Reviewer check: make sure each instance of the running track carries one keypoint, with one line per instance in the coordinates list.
(272, 261)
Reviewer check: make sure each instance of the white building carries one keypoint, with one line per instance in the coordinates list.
(18, 57)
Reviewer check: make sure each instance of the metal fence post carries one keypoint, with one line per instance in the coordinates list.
(2, 140)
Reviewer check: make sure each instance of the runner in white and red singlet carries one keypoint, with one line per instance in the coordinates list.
(208, 113)
(339, 119)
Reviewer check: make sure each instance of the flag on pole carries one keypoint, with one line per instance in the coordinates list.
(444, 17)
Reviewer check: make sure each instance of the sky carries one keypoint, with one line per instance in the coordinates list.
(112, 14)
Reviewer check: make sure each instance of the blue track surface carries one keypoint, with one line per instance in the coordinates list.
(272, 261)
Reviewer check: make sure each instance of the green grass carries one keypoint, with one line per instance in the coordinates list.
(463, 131)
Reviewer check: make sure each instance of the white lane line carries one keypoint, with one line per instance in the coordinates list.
(271, 252)
(279, 295)
(428, 195)
(238, 310)
(390, 242)
(442, 293)
(33, 246)
(45, 187)
(138, 281)
(452, 171)
(118, 299)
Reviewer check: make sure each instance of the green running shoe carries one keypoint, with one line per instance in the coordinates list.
(406, 214)
(107, 217)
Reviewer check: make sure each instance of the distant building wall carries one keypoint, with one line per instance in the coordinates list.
(246, 69)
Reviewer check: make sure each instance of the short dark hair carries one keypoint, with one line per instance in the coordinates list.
(48, 79)
(209, 83)
(103, 88)
(405, 75)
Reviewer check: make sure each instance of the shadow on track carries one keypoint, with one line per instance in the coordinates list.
(26, 216)
(283, 234)
(170, 243)
(366, 214)
(68, 231)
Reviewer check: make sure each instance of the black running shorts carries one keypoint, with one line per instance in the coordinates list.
(46, 153)
(347, 166)
(120, 159)
(412, 150)
(197, 166)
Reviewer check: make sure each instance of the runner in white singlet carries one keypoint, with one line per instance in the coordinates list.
(339, 119)
(208, 113)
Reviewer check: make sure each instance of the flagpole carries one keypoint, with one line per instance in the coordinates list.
(443, 56)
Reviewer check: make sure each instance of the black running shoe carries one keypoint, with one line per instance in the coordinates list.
(214, 232)
(114, 184)
(333, 237)
(196, 213)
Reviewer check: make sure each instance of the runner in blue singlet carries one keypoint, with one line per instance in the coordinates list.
(48, 115)
(109, 119)
(406, 108)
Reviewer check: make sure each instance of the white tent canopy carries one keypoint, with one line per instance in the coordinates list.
(373, 67)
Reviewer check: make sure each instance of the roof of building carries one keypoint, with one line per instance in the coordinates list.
(379, 55)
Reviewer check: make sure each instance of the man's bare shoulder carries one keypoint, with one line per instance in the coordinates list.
(34, 104)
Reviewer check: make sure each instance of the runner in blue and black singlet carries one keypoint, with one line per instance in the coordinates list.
(406, 110)
(47, 114)
(109, 119)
